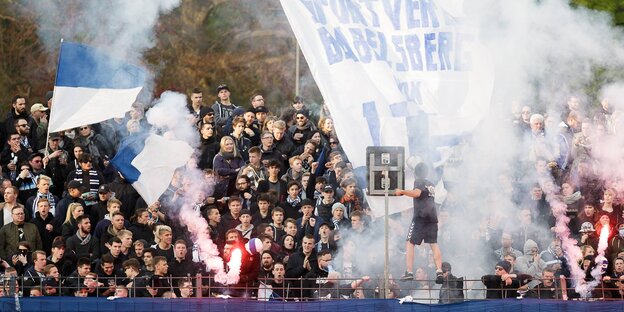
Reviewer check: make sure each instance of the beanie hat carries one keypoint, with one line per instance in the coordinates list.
(337, 206)
(505, 265)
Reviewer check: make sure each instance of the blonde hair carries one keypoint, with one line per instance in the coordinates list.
(70, 211)
(123, 233)
(160, 230)
(321, 124)
(279, 124)
(237, 120)
(222, 144)
(265, 126)
(44, 177)
(291, 160)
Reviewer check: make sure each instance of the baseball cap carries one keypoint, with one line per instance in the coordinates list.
(33, 155)
(55, 135)
(223, 86)
(330, 225)
(307, 202)
(261, 109)
(103, 189)
(74, 184)
(38, 107)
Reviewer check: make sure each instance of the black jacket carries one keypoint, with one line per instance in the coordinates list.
(75, 250)
(61, 208)
(496, 288)
(295, 269)
(452, 289)
(542, 292)
(184, 268)
(142, 231)
(46, 236)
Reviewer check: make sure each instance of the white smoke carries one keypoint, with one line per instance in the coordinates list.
(170, 113)
(121, 28)
(171, 117)
(544, 52)
(124, 29)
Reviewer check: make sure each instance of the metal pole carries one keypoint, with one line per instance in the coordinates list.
(386, 226)
(297, 62)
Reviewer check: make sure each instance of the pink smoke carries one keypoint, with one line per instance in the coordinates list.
(568, 244)
(170, 115)
(207, 250)
(234, 266)
(197, 226)
(604, 240)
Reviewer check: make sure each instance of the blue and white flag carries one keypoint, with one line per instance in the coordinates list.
(149, 161)
(394, 73)
(92, 87)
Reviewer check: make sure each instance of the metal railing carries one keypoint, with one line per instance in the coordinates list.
(300, 289)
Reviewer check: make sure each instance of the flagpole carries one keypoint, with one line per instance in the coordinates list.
(58, 62)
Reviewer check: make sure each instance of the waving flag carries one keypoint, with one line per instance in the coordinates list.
(92, 87)
(149, 161)
(394, 73)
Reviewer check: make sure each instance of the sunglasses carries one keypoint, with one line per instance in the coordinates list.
(83, 128)
(498, 268)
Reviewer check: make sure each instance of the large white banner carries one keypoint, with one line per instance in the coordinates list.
(381, 65)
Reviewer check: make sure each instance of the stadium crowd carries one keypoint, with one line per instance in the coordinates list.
(281, 190)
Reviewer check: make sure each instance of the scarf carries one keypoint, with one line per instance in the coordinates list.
(83, 241)
(352, 203)
(571, 199)
(307, 126)
(227, 155)
(111, 230)
(245, 233)
(50, 199)
(336, 224)
(209, 140)
(293, 202)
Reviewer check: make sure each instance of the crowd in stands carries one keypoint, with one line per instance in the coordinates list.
(564, 172)
(73, 226)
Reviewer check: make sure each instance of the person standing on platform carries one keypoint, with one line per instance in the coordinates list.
(424, 225)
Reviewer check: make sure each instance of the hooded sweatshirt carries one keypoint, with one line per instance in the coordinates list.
(526, 264)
